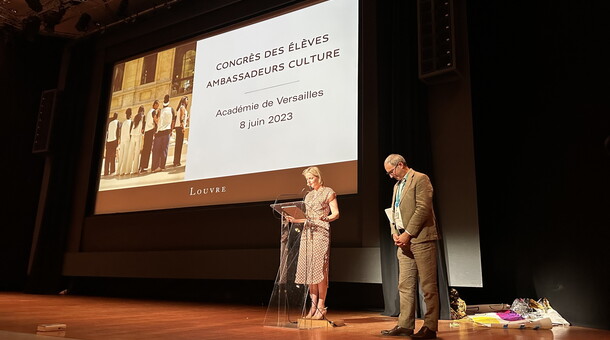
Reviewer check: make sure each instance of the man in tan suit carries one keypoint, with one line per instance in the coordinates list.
(413, 227)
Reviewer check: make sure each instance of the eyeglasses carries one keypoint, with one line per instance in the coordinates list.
(391, 172)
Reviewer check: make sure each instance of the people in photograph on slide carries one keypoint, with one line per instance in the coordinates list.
(124, 142)
(112, 135)
(150, 127)
(312, 266)
(135, 143)
(164, 130)
(181, 120)
(413, 229)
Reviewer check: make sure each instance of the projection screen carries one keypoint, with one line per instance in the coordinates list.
(234, 117)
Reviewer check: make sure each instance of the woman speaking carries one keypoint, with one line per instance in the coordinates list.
(312, 266)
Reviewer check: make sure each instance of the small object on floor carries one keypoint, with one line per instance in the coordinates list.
(53, 333)
(48, 327)
(509, 315)
(51, 329)
(338, 323)
(486, 308)
(458, 306)
(537, 324)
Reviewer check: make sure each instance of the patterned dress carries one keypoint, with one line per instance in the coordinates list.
(312, 266)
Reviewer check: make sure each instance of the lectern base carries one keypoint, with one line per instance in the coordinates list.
(304, 323)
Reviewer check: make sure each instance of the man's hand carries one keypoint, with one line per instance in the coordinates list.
(402, 240)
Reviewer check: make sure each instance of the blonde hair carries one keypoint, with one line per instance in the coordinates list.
(314, 171)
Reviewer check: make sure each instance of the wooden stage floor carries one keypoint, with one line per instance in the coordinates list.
(97, 318)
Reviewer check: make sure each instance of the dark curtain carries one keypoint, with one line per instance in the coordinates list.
(540, 121)
(28, 66)
(51, 231)
(403, 129)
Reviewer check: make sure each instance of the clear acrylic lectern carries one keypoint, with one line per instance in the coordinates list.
(288, 299)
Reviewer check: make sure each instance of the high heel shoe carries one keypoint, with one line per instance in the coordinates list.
(320, 314)
(312, 312)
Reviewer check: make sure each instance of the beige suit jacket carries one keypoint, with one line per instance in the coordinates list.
(416, 208)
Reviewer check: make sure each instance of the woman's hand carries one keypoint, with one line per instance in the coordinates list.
(294, 220)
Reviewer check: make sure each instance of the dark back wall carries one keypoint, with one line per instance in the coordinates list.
(540, 121)
(28, 66)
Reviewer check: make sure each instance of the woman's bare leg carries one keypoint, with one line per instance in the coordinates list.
(313, 295)
(321, 288)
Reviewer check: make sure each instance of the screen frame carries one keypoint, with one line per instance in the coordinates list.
(113, 59)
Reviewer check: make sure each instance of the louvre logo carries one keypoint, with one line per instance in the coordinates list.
(206, 191)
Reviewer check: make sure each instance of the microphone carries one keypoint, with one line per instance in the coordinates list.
(304, 192)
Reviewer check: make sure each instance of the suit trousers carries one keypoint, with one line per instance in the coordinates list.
(418, 262)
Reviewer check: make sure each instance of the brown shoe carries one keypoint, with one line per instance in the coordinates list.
(397, 331)
(424, 333)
